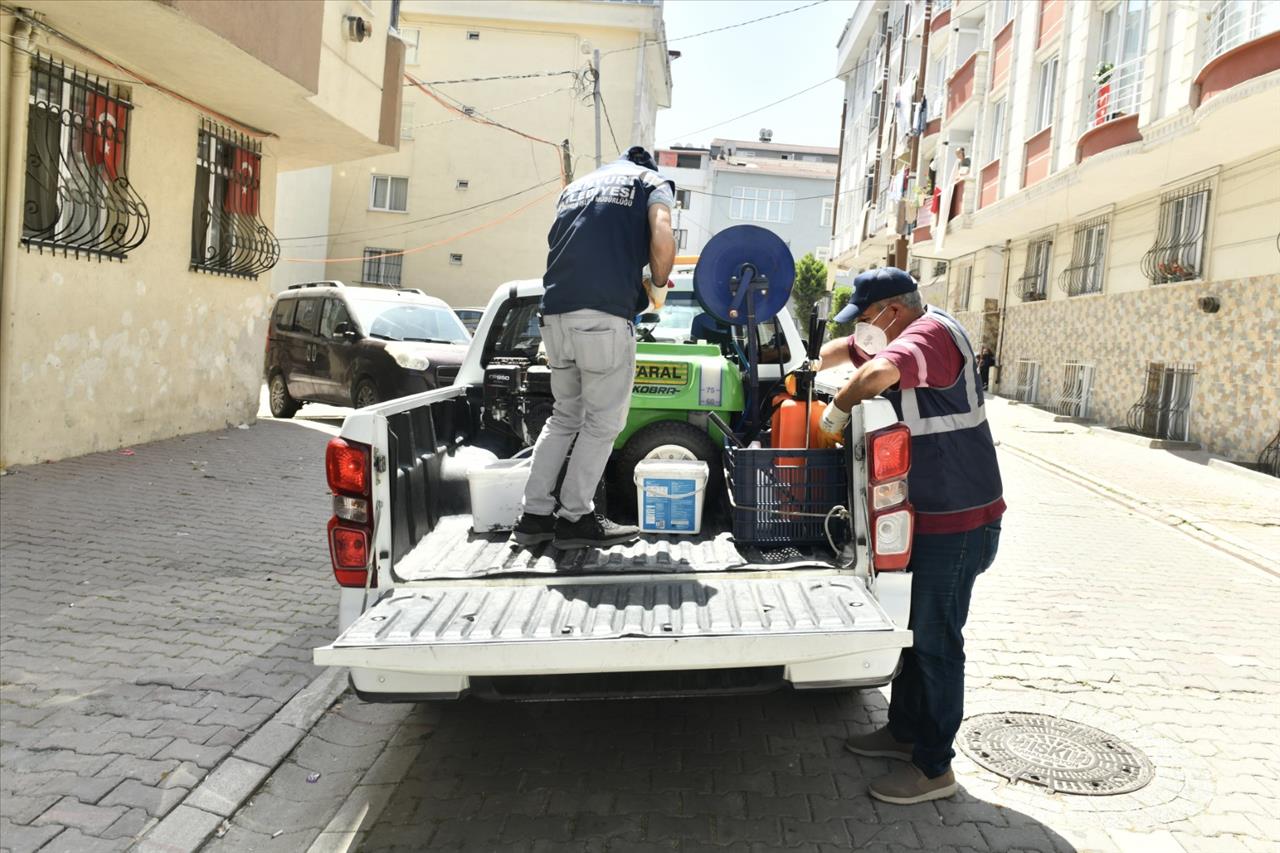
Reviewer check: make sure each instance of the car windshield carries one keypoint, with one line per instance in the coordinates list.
(401, 321)
(677, 318)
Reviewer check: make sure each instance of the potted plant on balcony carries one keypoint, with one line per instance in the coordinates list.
(1102, 86)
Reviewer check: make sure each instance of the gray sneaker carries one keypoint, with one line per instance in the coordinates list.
(879, 744)
(908, 785)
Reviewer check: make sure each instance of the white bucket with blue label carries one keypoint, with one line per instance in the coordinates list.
(669, 495)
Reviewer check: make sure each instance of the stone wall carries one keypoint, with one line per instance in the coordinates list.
(1235, 410)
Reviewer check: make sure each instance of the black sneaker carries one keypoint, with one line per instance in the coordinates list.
(534, 529)
(592, 531)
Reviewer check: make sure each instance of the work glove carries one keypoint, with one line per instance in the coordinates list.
(834, 420)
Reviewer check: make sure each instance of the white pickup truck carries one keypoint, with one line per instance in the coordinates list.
(430, 610)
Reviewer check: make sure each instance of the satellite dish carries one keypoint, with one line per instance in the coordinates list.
(720, 269)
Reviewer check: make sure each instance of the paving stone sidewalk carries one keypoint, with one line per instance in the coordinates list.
(1091, 612)
(1240, 508)
(156, 607)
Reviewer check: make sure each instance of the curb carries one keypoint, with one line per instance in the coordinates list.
(231, 783)
(1221, 463)
(1188, 526)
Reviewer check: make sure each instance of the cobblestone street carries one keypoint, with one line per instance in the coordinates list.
(121, 694)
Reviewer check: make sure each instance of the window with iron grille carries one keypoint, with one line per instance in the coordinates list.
(965, 289)
(78, 196)
(1178, 253)
(228, 236)
(1088, 259)
(1077, 387)
(1034, 283)
(1165, 408)
(1027, 388)
(381, 267)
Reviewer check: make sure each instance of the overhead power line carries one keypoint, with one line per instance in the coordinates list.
(648, 42)
(526, 76)
(781, 100)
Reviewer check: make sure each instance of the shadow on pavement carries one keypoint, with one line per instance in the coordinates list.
(749, 772)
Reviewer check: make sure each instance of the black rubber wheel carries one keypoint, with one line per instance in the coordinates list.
(278, 399)
(366, 394)
(654, 436)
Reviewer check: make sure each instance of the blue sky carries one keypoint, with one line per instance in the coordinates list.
(725, 74)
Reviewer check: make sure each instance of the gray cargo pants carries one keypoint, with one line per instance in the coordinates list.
(593, 363)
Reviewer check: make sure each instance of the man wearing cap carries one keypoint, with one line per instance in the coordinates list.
(608, 225)
(920, 359)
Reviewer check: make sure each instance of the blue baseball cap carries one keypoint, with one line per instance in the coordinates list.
(872, 286)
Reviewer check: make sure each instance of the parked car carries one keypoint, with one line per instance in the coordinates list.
(470, 317)
(357, 346)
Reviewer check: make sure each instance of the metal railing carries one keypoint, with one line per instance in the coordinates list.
(228, 236)
(1178, 253)
(1088, 259)
(1077, 386)
(1116, 91)
(1234, 22)
(1165, 408)
(1027, 387)
(79, 199)
(1269, 458)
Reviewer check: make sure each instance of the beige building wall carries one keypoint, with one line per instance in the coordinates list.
(511, 181)
(95, 355)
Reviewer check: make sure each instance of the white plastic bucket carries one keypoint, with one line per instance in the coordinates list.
(669, 495)
(497, 490)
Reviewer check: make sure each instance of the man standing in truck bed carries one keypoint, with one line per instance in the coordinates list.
(921, 360)
(608, 225)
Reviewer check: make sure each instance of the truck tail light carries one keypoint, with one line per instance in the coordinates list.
(892, 516)
(350, 531)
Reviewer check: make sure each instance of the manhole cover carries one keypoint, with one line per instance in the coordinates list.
(1065, 757)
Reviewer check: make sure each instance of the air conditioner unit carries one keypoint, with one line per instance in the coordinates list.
(358, 29)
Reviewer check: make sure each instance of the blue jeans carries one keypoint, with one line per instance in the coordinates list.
(926, 704)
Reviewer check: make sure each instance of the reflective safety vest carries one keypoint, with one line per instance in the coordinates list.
(953, 458)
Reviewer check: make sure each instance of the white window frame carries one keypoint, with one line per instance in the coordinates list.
(1046, 95)
(995, 140)
(386, 207)
(762, 204)
(828, 209)
(965, 294)
(377, 265)
(411, 44)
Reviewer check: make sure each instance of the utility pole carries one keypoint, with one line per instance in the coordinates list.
(595, 93)
(567, 158)
(901, 248)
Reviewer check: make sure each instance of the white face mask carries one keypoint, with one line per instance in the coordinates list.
(869, 337)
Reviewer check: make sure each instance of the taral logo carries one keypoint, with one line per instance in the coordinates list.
(661, 373)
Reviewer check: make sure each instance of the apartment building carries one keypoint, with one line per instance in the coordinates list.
(1112, 225)
(497, 117)
(690, 168)
(140, 148)
(789, 189)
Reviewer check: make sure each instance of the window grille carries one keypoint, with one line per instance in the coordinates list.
(1088, 259)
(1027, 388)
(965, 290)
(1077, 386)
(79, 199)
(1269, 458)
(1178, 253)
(228, 236)
(1165, 408)
(1034, 283)
(381, 267)
(388, 193)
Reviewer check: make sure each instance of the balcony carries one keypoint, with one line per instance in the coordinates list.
(1112, 109)
(989, 184)
(1039, 158)
(1050, 22)
(965, 89)
(941, 15)
(1002, 55)
(1242, 41)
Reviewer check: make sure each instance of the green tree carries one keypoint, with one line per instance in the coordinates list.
(809, 287)
(840, 298)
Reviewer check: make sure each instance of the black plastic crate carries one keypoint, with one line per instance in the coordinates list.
(782, 496)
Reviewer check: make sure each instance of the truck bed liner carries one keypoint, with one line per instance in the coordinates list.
(451, 551)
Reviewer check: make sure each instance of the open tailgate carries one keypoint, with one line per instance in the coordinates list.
(537, 626)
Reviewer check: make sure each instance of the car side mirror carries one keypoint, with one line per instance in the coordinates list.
(345, 330)
(650, 317)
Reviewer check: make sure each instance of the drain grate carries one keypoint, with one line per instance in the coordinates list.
(1061, 755)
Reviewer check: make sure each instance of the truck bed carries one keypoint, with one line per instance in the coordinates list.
(451, 551)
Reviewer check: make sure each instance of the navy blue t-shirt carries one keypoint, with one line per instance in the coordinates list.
(599, 242)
